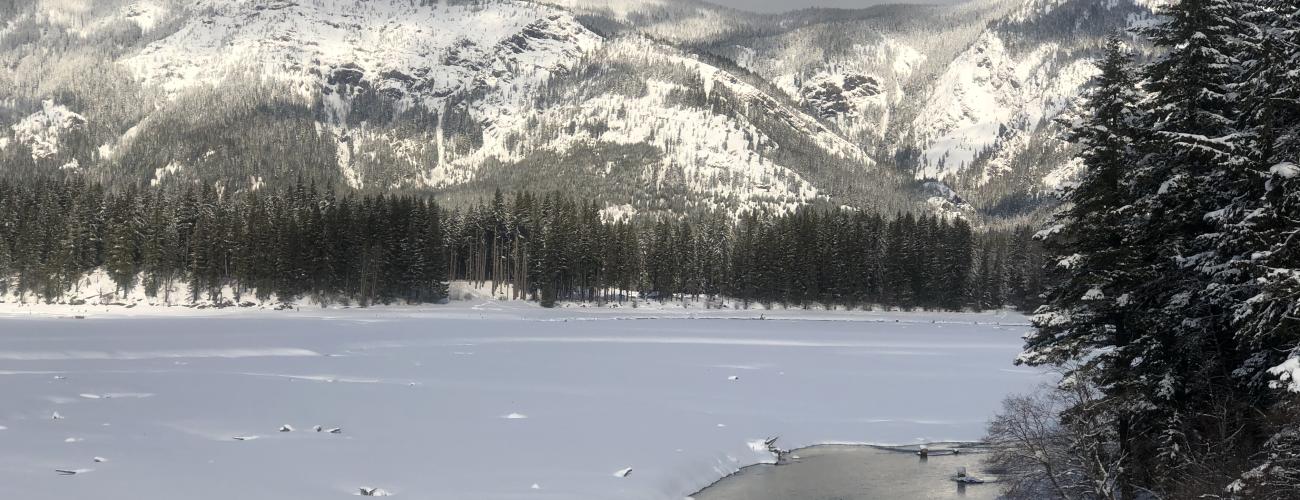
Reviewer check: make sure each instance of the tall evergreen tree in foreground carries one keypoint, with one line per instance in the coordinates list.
(1200, 414)
(1179, 274)
(1256, 270)
(1087, 315)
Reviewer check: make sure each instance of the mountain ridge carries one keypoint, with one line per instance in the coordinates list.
(656, 105)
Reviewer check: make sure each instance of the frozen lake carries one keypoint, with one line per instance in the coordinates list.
(495, 402)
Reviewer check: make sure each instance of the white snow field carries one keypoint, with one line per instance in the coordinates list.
(488, 401)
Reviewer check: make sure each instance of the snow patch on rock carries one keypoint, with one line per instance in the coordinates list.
(146, 14)
(170, 170)
(614, 213)
(841, 94)
(43, 130)
(1154, 5)
(1065, 175)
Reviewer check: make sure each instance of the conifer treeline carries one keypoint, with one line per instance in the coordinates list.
(294, 243)
(305, 242)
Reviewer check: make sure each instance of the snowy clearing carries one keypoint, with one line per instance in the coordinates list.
(495, 400)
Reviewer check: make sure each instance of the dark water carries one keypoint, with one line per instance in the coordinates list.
(855, 473)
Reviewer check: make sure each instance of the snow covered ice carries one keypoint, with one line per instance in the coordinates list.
(550, 397)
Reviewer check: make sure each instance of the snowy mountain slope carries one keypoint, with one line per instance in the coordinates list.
(394, 94)
(688, 22)
(420, 54)
(988, 96)
(993, 100)
(649, 104)
(409, 95)
(719, 141)
(860, 71)
(854, 89)
(366, 62)
(967, 93)
(88, 18)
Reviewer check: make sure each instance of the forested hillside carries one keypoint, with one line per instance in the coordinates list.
(329, 247)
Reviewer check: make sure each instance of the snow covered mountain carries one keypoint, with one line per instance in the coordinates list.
(645, 104)
(966, 94)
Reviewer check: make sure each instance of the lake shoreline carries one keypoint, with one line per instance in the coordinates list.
(842, 470)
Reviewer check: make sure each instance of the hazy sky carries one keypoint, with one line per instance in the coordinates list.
(785, 5)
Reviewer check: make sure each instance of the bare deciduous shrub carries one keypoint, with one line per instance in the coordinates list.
(1056, 443)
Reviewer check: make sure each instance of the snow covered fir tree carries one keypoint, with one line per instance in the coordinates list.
(1120, 178)
(1174, 296)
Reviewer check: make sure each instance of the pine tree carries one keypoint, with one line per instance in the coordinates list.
(1189, 351)
(900, 262)
(660, 265)
(120, 258)
(1087, 314)
(958, 262)
(1257, 229)
(1255, 246)
(1087, 235)
(7, 237)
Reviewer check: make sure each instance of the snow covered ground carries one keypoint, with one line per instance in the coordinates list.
(496, 400)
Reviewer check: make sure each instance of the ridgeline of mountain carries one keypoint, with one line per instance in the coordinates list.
(646, 105)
